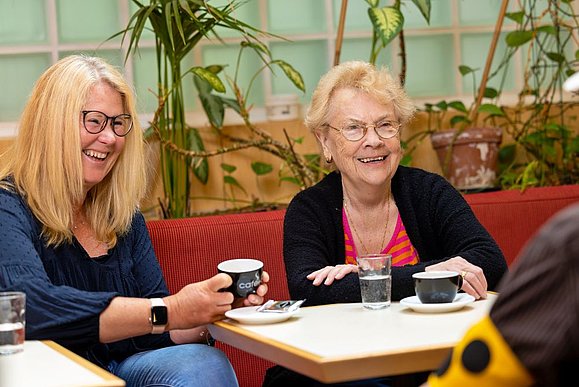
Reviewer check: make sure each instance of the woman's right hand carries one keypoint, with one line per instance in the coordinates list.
(328, 274)
(200, 303)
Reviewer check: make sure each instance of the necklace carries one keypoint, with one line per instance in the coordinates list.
(357, 235)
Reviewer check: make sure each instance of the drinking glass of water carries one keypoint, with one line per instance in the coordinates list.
(375, 280)
(12, 320)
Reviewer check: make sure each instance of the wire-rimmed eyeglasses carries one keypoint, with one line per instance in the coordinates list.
(95, 122)
(356, 131)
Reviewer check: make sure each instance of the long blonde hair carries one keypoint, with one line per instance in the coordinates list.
(360, 75)
(45, 160)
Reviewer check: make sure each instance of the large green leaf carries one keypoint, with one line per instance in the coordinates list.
(209, 77)
(228, 167)
(212, 104)
(517, 17)
(200, 165)
(260, 168)
(424, 8)
(556, 57)
(227, 179)
(294, 76)
(457, 120)
(518, 38)
(491, 109)
(490, 92)
(387, 22)
(464, 69)
(458, 105)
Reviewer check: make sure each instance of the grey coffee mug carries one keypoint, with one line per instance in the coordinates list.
(434, 287)
(245, 273)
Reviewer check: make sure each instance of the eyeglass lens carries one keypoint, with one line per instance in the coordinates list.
(95, 122)
(384, 129)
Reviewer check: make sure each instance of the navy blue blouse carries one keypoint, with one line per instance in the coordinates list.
(66, 290)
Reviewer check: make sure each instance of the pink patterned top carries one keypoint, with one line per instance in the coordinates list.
(403, 253)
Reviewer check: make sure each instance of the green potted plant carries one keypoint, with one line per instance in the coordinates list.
(178, 26)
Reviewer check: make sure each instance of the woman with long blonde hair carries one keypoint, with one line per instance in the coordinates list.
(74, 241)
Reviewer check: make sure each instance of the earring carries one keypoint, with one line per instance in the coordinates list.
(329, 159)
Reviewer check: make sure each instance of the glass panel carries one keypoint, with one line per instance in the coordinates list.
(356, 16)
(309, 58)
(18, 73)
(476, 12)
(359, 49)
(296, 16)
(100, 22)
(475, 49)
(430, 66)
(250, 64)
(23, 22)
(145, 74)
(440, 15)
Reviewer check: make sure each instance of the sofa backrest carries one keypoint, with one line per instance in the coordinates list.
(512, 217)
(189, 250)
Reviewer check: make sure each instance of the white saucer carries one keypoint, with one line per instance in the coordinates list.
(460, 301)
(250, 315)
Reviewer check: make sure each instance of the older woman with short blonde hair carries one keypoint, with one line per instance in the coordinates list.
(370, 204)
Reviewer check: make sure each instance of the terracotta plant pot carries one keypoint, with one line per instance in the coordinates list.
(473, 164)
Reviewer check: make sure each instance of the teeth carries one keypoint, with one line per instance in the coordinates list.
(95, 154)
(370, 159)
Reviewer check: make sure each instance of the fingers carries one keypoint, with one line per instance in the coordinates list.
(218, 282)
(328, 274)
(473, 285)
(474, 280)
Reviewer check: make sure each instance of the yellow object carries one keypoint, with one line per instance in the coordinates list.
(482, 358)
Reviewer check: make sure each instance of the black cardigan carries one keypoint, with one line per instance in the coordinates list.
(439, 223)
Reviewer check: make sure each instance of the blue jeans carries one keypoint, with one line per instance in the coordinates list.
(185, 365)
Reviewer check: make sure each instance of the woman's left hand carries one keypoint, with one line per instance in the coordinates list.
(328, 274)
(474, 281)
(254, 299)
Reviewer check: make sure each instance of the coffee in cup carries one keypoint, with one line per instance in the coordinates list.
(245, 273)
(433, 287)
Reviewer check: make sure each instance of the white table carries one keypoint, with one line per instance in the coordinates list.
(47, 364)
(341, 342)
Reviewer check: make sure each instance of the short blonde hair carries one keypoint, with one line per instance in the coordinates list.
(45, 161)
(363, 76)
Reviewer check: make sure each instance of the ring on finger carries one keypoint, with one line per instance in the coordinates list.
(463, 274)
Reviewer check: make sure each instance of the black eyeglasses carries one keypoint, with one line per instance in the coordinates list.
(95, 122)
(357, 131)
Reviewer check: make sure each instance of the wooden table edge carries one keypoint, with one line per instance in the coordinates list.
(108, 378)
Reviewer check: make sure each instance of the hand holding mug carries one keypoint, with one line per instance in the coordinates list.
(249, 281)
(474, 280)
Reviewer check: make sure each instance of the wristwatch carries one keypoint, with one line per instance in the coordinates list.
(159, 316)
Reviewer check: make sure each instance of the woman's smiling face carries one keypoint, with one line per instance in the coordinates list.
(371, 160)
(100, 151)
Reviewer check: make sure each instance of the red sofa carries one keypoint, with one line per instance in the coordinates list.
(190, 249)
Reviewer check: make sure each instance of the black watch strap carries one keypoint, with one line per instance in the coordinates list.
(159, 316)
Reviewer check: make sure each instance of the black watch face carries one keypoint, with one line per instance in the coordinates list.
(159, 315)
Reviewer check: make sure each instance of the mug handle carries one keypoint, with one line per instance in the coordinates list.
(460, 280)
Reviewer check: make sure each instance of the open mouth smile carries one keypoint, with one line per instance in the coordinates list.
(372, 159)
(95, 155)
